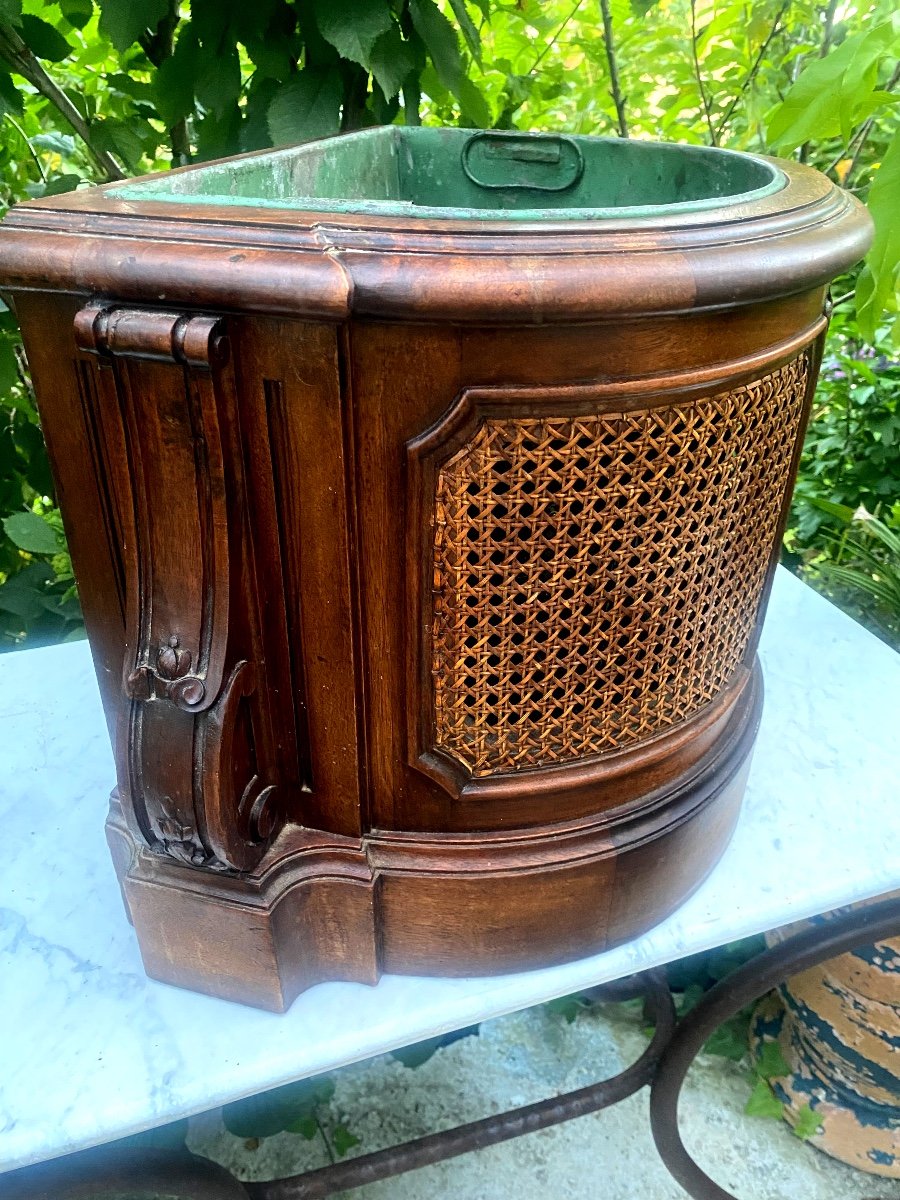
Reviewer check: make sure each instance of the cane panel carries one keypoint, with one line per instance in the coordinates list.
(597, 578)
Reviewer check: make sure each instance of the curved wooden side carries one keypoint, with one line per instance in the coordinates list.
(323, 907)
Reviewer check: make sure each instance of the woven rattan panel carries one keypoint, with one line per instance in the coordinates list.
(597, 578)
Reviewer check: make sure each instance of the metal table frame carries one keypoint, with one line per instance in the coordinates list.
(113, 1171)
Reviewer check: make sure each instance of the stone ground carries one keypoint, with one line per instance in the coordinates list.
(610, 1155)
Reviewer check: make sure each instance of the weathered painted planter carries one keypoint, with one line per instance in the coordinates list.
(424, 489)
(838, 1025)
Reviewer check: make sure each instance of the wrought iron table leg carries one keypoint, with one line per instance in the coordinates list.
(664, 1064)
(837, 935)
(142, 1175)
(115, 1171)
(476, 1135)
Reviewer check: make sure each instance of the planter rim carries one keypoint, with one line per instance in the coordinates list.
(331, 266)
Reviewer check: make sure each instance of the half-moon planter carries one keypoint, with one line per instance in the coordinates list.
(424, 489)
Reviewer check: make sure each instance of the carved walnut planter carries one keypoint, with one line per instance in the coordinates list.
(424, 490)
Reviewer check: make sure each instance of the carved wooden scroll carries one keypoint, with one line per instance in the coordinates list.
(195, 747)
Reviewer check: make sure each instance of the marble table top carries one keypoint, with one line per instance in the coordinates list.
(91, 1050)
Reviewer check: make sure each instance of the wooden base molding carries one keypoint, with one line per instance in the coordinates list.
(319, 907)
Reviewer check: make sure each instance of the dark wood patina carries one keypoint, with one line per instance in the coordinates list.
(423, 560)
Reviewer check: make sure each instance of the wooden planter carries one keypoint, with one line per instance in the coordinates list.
(423, 549)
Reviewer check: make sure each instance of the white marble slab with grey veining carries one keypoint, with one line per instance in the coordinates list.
(91, 1050)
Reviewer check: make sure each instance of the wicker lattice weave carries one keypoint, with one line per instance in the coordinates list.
(597, 578)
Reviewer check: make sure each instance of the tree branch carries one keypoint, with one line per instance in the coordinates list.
(158, 46)
(24, 63)
(704, 99)
(31, 150)
(504, 120)
(828, 35)
(867, 128)
(411, 89)
(757, 63)
(824, 48)
(356, 91)
(845, 150)
(24, 374)
(614, 85)
(411, 98)
(552, 42)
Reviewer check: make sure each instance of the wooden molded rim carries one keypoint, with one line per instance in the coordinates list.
(296, 263)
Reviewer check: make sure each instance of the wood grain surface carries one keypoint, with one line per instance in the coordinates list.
(423, 562)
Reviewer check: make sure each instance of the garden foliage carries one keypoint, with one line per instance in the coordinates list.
(91, 90)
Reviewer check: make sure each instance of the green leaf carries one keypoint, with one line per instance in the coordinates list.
(876, 286)
(137, 89)
(391, 62)
(807, 1123)
(60, 184)
(763, 1102)
(120, 138)
(11, 11)
(473, 106)
(825, 99)
(343, 1140)
(9, 369)
(261, 19)
(10, 96)
(218, 83)
(306, 107)
(442, 43)
(879, 530)
(383, 110)
(123, 21)
(842, 511)
(218, 134)
(272, 58)
(440, 39)
(770, 1063)
(173, 92)
(77, 12)
(305, 1124)
(729, 1040)
(567, 1007)
(57, 143)
(32, 533)
(254, 133)
(858, 579)
(44, 40)
(23, 594)
(419, 1053)
(467, 25)
(353, 26)
(173, 82)
(278, 1110)
(690, 997)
